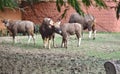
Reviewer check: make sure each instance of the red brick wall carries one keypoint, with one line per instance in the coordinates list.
(46, 9)
(105, 18)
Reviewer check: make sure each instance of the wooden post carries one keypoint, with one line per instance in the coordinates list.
(112, 67)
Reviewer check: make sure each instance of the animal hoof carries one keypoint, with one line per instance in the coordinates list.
(44, 47)
(93, 38)
(49, 48)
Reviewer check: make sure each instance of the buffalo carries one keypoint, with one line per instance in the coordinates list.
(87, 21)
(47, 32)
(67, 29)
(20, 26)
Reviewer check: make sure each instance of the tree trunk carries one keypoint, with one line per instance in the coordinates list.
(112, 67)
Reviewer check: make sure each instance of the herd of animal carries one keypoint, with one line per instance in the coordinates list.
(77, 23)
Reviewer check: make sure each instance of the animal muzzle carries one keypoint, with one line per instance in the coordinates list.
(50, 26)
(59, 31)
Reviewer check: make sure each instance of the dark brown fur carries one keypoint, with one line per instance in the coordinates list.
(47, 32)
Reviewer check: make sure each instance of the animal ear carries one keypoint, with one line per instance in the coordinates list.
(51, 22)
(59, 22)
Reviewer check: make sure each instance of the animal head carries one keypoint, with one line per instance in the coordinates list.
(6, 22)
(51, 23)
(57, 28)
(48, 22)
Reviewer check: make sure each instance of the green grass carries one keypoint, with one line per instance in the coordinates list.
(91, 55)
(105, 46)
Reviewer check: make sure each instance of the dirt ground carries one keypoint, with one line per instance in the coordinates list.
(16, 60)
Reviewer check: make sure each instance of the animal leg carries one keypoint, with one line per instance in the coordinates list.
(94, 34)
(47, 41)
(33, 38)
(45, 44)
(63, 43)
(94, 30)
(79, 41)
(53, 40)
(79, 35)
(29, 38)
(90, 33)
(53, 43)
(49, 44)
(14, 34)
(14, 41)
(32, 34)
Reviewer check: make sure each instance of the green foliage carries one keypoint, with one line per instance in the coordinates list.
(100, 3)
(33, 1)
(87, 2)
(76, 5)
(59, 3)
(8, 3)
(118, 11)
